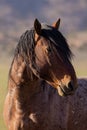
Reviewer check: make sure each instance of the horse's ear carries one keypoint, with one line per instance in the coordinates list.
(56, 24)
(37, 26)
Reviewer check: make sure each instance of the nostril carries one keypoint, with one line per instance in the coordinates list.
(70, 85)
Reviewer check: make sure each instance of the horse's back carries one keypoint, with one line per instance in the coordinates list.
(77, 119)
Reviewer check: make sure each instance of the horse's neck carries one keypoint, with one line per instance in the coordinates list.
(22, 82)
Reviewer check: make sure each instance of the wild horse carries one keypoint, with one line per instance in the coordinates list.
(41, 68)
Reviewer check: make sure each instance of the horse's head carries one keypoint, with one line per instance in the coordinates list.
(52, 58)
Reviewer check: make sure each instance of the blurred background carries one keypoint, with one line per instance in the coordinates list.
(16, 16)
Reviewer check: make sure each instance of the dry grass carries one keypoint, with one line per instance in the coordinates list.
(3, 89)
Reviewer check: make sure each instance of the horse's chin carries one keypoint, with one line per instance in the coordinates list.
(60, 92)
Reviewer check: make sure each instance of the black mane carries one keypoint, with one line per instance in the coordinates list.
(26, 45)
(58, 40)
(25, 48)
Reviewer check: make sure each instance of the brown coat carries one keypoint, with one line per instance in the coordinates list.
(46, 110)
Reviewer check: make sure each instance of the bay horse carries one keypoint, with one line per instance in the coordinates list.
(40, 79)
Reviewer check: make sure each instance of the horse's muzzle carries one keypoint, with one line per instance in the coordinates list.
(66, 90)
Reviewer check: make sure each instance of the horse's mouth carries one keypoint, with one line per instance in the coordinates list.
(64, 91)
